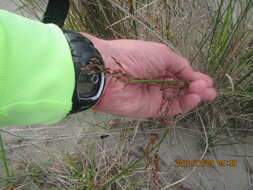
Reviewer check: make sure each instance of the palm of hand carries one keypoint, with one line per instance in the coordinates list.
(150, 60)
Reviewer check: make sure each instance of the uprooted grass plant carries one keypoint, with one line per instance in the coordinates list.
(216, 36)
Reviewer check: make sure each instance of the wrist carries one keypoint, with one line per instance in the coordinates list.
(103, 46)
(106, 50)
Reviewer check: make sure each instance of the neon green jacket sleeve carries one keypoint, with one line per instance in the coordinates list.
(36, 72)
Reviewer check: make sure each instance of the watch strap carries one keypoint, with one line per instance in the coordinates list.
(56, 12)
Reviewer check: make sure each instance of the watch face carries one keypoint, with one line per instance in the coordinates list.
(88, 84)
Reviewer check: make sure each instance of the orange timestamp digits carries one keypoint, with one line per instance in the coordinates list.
(193, 163)
(206, 163)
(227, 163)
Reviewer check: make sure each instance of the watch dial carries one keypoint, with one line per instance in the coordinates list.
(88, 84)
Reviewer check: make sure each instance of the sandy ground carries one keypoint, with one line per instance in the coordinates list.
(181, 144)
(80, 131)
(7, 5)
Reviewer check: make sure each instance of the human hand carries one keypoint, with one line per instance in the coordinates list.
(149, 60)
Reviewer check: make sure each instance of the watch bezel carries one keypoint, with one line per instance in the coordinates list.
(99, 92)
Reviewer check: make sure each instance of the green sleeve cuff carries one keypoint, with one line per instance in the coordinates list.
(36, 72)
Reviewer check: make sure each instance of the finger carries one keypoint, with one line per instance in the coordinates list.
(198, 86)
(179, 67)
(209, 94)
(201, 88)
(187, 74)
(201, 76)
(184, 104)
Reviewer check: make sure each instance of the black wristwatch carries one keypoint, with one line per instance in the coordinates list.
(90, 80)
